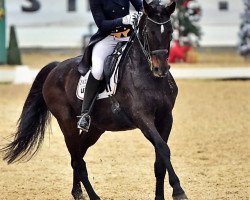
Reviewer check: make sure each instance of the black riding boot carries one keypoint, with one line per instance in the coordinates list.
(90, 93)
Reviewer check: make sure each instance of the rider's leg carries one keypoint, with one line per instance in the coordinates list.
(100, 51)
(89, 95)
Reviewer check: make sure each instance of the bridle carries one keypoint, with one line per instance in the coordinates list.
(145, 45)
(159, 23)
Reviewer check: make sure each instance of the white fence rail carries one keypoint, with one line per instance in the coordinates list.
(25, 75)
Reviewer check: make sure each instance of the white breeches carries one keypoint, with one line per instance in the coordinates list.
(101, 50)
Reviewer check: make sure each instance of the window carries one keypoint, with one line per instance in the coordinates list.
(71, 5)
(223, 6)
(34, 5)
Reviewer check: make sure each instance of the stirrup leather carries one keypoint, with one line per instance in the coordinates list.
(84, 122)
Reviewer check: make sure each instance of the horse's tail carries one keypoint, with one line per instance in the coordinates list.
(32, 122)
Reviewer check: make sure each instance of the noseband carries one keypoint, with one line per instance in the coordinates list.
(145, 46)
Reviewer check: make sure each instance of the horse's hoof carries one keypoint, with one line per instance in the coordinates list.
(180, 197)
(77, 195)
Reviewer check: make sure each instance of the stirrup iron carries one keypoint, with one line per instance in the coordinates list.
(86, 117)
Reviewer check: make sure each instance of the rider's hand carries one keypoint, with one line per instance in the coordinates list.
(140, 13)
(130, 19)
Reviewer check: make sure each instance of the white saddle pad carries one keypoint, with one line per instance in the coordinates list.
(109, 91)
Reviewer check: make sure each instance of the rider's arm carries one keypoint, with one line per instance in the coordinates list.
(137, 4)
(99, 17)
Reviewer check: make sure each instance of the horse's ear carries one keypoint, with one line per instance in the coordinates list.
(171, 7)
(146, 6)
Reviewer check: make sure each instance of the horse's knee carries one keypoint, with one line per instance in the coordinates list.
(163, 149)
(78, 165)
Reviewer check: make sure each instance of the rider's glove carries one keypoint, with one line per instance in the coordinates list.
(130, 19)
(140, 13)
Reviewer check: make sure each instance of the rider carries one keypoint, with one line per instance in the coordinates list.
(114, 22)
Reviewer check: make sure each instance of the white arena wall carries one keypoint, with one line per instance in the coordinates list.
(51, 26)
(54, 27)
(220, 28)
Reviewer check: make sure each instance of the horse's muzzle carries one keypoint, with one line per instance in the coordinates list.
(160, 71)
(160, 66)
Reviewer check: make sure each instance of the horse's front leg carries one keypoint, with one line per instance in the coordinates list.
(163, 162)
(160, 172)
(163, 126)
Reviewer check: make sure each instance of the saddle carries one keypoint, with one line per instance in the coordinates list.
(111, 61)
(110, 72)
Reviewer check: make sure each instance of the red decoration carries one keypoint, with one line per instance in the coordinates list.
(178, 53)
(185, 3)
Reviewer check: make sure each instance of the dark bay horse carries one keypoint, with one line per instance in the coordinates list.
(146, 95)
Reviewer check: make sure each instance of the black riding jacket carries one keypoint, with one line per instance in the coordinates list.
(108, 16)
(108, 13)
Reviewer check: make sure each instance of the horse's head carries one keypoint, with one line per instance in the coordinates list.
(156, 33)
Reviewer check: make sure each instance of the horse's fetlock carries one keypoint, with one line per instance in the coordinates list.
(77, 194)
(177, 189)
(175, 183)
(159, 198)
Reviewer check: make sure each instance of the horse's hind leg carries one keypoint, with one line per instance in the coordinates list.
(72, 141)
(87, 140)
(76, 190)
(77, 147)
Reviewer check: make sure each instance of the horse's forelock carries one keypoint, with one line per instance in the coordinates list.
(158, 12)
(156, 7)
(160, 2)
(165, 2)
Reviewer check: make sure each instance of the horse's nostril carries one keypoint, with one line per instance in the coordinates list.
(156, 69)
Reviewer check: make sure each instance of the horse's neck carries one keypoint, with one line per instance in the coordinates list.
(137, 70)
(139, 62)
